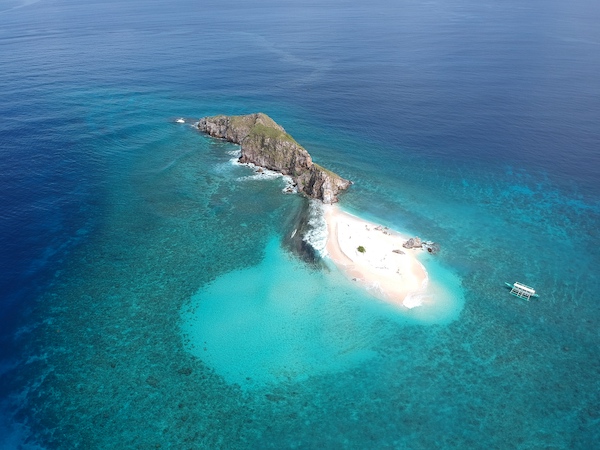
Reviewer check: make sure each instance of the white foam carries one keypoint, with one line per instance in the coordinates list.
(290, 186)
(413, 300)
(317, 234)
(260, 173)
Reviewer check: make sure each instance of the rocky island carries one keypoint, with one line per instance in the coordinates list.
(266, 144)
(382, 261)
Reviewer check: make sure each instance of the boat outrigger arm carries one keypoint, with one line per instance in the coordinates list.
(522, 291)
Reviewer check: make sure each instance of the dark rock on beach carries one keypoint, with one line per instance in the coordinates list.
(431, 247)
(413, 243)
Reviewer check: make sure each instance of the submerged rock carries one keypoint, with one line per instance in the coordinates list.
(431, 247)
(266, 144)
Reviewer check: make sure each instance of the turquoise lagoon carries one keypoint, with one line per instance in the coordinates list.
(286, 320)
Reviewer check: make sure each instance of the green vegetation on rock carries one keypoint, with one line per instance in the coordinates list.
(259, 130)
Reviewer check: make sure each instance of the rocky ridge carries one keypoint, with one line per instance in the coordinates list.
(266, 144)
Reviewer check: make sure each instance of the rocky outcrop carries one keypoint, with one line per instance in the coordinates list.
(413, 243)
(266, 144)
(431, 247)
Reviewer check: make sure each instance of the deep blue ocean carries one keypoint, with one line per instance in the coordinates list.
(147, 299)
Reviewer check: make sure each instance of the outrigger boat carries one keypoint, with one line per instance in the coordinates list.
(522, 291)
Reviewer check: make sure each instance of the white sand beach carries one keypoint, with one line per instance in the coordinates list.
(394, 277)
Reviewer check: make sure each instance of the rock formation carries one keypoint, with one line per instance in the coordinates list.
(413, 243)
(430, 246)
(266, 144)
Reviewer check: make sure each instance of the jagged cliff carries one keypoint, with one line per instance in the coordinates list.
(266, 144)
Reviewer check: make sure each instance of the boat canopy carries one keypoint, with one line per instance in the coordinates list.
(527, 289)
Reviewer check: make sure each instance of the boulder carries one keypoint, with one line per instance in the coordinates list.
(413, 243)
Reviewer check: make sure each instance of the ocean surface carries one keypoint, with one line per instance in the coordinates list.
(149, 294)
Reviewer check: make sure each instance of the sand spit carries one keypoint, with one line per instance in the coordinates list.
(373, 256)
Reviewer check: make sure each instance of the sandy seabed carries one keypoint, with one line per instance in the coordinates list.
(386, 269)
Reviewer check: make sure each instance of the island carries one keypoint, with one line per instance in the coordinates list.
(380, 260)
(266, 144)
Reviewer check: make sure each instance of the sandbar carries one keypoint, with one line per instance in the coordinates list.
(395, 277)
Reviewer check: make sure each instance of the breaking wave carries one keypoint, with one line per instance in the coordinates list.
(316, 235)
(260, 173)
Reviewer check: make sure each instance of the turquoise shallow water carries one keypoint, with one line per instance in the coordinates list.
(284, 321)
(131, 243)
(279, 321)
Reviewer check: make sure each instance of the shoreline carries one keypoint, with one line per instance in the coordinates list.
(396, 278)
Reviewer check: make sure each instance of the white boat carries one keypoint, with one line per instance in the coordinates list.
(180, 120)
(522, 291)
